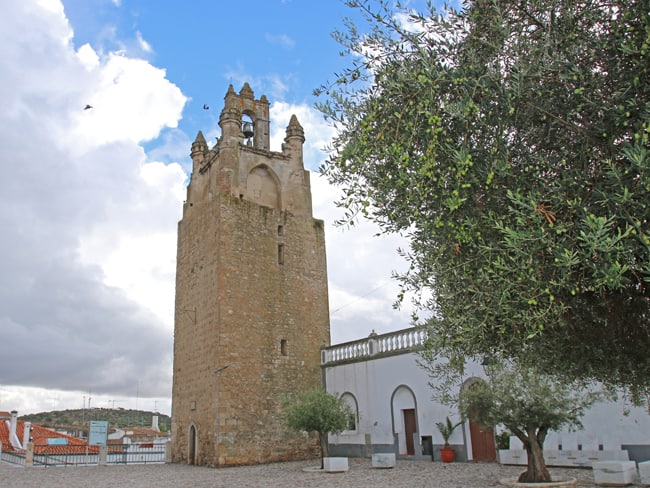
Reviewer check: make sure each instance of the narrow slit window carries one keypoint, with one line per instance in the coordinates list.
(283, 347)
(280, 230)
(280, 253)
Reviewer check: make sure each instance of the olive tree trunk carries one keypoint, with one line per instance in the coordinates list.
(324, 450)
(534, 445)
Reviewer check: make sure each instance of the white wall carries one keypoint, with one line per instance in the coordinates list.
(374, 382)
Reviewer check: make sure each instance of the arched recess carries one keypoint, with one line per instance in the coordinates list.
(482, 441)
(263, 187)
(351, 401)
(405, 419)
(192, 444)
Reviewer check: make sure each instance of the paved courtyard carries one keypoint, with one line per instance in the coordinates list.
(407, 474)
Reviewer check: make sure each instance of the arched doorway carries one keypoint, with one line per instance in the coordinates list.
(192, 443)
(481, 438)
(404, 408)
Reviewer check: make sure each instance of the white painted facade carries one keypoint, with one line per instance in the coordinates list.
(381, 379)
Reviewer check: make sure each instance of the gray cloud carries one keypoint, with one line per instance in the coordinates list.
(62, 326)
(87, 253)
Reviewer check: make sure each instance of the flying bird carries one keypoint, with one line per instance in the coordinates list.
(88, 107)
(205, 106)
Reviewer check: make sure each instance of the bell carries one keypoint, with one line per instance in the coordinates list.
(247, 129)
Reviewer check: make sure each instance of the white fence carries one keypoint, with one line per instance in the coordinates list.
(375, 345)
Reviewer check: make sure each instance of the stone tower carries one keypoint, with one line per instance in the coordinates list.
(251, 293)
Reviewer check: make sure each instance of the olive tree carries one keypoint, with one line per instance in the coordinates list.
(529, 405)
(508, 141)
(317, 411)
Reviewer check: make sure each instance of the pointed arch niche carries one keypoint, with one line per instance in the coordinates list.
(192, 445)
(263, 187)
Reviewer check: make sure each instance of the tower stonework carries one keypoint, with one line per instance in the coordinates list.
(252, 306)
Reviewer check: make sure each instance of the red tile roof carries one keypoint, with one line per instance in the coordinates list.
(39, 436)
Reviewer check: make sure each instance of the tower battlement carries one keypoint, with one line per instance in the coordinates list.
(241, 163)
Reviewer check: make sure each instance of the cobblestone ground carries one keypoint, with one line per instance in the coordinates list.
(407, 474)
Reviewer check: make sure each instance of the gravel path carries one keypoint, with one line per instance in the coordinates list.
(407, 474)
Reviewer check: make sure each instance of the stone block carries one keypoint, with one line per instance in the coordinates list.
(512, 456)
(335, 464)
(103, 455)
(584, 458)
(614, 473)
(383, 460)
(644, 472)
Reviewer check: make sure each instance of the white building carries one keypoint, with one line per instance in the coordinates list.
(381, 380)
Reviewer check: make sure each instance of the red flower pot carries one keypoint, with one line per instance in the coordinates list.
(447, 455)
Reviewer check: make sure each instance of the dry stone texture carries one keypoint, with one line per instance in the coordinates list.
(251, 295)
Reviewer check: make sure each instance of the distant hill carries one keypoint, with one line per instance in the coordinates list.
(80, 418)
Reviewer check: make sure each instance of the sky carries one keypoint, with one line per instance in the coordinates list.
(90, 199)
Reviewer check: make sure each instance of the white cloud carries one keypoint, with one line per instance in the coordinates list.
(88, 57)
(131, 99)
(89, 226)
(360, 264)
(144, 45)
(317, 133)
(360, 267)
(26, 400)
(273, 85)
(280, 39)
(89, 221)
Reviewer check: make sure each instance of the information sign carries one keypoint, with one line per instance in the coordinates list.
(98, 433)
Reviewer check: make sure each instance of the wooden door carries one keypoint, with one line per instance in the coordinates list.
(409, 430)
(483, 445)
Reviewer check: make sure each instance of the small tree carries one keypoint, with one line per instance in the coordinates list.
(317, 411)
(529, 405)
(446, 429)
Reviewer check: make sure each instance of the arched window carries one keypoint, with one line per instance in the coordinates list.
(353, 419)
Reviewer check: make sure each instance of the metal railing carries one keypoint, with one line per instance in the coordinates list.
(47, 457)
(147, 453)
(44, 455)
(13, 458)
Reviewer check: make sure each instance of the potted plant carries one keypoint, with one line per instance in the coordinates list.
(447, 453)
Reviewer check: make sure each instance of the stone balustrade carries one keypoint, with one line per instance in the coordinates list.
(401, 341)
